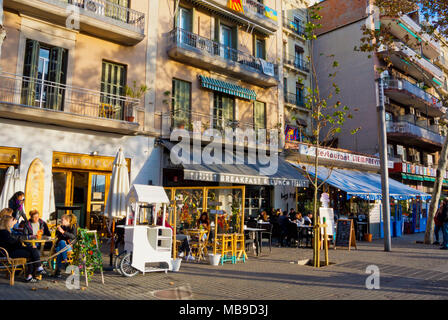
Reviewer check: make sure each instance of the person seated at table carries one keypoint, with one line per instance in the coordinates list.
(203, 221)
(292, 213)
(263, 216)
(15, 248)
(308, 219)
(284, 224)
(65, 234)
(299, 220)
(35, 225)
(6, 212)
(185, 244)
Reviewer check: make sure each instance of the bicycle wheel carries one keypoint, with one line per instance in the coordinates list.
(118, 261)
(125, 266)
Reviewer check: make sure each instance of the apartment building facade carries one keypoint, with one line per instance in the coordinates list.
(413, 110)
(63, 102)
(297, 73)
(219, 63)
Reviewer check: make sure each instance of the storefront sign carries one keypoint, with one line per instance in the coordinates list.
(84, 161)
(240, 179)
(340, 156)
(415, 169)
(10, 156)
(35, 187)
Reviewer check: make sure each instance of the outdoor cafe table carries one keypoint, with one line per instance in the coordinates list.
(256, 233)
(42, 241)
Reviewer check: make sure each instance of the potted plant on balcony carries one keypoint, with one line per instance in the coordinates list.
(135, 92)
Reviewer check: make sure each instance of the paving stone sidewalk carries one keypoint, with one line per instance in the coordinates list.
(411, 271)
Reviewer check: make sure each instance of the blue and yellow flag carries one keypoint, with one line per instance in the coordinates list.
(270, 13)
(236, 5)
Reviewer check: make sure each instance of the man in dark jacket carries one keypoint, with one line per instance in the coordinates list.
(443, 218)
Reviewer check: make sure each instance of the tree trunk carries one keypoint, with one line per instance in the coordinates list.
(429, 233)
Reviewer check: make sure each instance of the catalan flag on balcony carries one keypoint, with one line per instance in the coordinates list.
(270, 13)
(236, 5)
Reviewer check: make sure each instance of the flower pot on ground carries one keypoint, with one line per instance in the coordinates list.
(368, 237)
(214, 259)
(130, 119)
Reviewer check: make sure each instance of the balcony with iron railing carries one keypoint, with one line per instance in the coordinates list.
(255, 14)
(203, 123)
(404, 129)
(192, 49)
(42, 101)
(409, 94)
(100, 18)
(297, 28)
(406, 29)
(294, 99)
(296, 62)
(411, 57)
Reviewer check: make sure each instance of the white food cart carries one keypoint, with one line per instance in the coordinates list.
(147, 246)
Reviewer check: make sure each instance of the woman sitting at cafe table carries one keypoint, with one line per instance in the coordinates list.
(35, 226)
(65, 234)
(16, 249)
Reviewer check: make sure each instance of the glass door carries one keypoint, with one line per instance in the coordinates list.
(226, 42)
(98, 191)
(185, 24)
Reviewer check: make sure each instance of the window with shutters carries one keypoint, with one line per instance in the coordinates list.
(44, 76)
(181, 103)
(260, 48)
(259, 115)
(113, 83)
(223, 111)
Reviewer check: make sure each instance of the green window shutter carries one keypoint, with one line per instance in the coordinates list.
(30, 69)
(259, 115)
(56, 73)
(217, 29)
(113, 82)
(181, 103)
(235, 38)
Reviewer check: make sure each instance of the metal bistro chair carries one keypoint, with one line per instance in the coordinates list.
(267, 234)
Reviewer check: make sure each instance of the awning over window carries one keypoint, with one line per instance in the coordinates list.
(245, 173)
(361, 184)
(227, 87)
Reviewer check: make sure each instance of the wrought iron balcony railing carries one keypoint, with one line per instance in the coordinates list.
(106, 11)
(294, 99)
(41, 94)
(192, 41)
(297, 61)
(295, 26)
(414, 130)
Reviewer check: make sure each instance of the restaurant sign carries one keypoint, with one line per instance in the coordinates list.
(10, 155)
(340, 156)
(415, 169)
(84, 161)
(241, 179)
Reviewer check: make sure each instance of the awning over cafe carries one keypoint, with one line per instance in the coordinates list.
(366, 185)
(245, 173)
(227, 87)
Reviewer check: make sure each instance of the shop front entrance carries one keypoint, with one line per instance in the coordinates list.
(8, 157)
(83, 181)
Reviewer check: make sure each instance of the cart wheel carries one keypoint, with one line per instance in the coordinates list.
(118, 261)
(125, 266)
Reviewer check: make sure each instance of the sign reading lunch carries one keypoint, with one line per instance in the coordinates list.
(339, 156)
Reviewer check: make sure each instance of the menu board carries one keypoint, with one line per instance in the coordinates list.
(328, 214)
(345, 234)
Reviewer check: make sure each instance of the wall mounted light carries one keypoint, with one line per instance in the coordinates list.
(57, 161)
(14, 158)
(94, 153)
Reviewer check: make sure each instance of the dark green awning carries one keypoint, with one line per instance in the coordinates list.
(227, 87)
(404, 175)
(429, 179)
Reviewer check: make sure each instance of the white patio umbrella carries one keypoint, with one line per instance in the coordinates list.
(119, 188)
(51, 204)
(8, 188)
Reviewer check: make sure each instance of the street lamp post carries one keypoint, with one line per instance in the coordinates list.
(382, 137)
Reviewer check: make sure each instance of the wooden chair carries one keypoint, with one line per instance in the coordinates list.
(239, 247)
(11, 265)
(198, 243)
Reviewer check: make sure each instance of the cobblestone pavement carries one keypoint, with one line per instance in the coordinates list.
(411, 271)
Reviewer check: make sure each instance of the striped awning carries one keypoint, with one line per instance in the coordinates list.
(227, 87)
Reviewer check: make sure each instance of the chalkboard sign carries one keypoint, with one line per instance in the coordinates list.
(345, 234)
